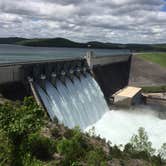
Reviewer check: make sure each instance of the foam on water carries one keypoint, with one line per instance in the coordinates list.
(118, 126)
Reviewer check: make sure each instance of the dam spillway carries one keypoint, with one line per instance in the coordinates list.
(76, 103)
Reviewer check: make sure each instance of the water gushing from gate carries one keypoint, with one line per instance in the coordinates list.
(79, 102)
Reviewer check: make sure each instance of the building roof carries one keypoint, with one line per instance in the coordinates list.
(128, 91)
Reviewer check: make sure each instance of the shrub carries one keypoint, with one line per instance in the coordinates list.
(157, 160)
(69, 133)
(91, 132)
(96, 157)
(5, 152)
(128, 148)
(28, 160)
(55, 132)
(141, 142)
(115, 152)
(41, 147)
(141, 155)
(17, 123)
(162, 151)
(72, 148)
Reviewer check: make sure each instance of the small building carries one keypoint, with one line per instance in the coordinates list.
(127, 96)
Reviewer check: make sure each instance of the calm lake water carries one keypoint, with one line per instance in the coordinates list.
(15, 53)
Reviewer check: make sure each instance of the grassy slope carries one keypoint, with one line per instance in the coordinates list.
(159, 58)
(154, 89)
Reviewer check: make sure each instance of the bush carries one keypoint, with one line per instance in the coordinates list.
(157, 160)
(17, 123)
(28, 160)
(141, 142)
(128, 148)
(69, 133)
(141, 155)
(41, 147)
(72, 148)
(115, 152)
(96, 157)
(55, 132)
(162, 151)
(5, 151)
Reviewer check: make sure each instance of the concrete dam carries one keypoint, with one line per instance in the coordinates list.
(75, 91)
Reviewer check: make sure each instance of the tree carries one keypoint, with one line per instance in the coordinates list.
(141, 142)
(17, 123)
(162, 151)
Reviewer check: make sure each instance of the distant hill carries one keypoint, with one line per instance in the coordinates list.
(62, 42)
(11, 40)
(55, 42)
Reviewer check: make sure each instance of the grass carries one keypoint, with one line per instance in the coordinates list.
(154, 89)
(159, 58)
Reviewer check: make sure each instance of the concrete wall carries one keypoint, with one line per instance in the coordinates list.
(112, 77)
(10, 73)
(93, 60)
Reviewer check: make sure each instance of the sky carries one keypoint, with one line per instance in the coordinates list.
(117, 21)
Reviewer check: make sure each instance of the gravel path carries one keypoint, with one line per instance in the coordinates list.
(144, 73)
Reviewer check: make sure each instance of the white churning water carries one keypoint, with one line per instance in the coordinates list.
(78, 103)
(118, 126)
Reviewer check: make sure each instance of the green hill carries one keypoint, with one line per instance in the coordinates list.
(11, 40)
(54, 42)
(62, 42)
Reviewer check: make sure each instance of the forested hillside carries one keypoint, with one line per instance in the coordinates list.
(62, 42)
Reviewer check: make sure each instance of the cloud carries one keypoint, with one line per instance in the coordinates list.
(138, 21)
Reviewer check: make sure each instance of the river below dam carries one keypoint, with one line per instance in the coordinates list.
(118, 126)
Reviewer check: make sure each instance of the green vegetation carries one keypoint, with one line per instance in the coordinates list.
(27, 138)
(62, 42)
(11, 40)
(159, 58)
(55, 42)
(162, 151)
(17, 123)
(140, 142)
(154, 89)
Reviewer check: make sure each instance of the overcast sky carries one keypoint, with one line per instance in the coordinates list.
(123, 21)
